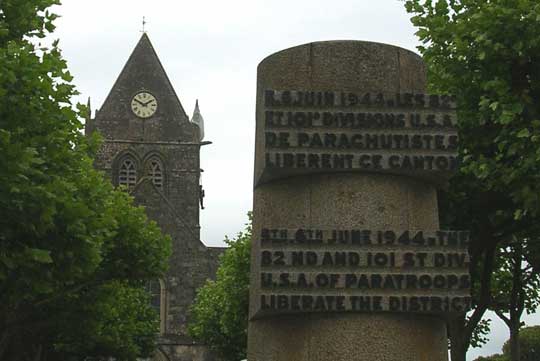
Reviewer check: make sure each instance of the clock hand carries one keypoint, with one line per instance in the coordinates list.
(138, 101)
(150, 101)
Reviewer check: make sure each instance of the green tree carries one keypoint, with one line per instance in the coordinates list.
(487, 53)
(220, 311)
(529, 343)
(496, 357)
(74, 252)
(515, 290)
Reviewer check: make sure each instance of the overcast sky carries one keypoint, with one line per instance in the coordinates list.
(210, 50)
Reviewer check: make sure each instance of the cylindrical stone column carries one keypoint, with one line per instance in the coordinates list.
(340, 199)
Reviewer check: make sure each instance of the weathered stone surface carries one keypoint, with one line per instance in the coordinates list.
(338, 199)
(373, 337)
(343, 120)
(347, 201)
(170, 137)
(143, 71)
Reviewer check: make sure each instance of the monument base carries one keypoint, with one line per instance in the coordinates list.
(348, 337)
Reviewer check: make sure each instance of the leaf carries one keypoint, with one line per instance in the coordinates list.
(7, 261)
(506, 117)
(523, 133)
(40, 255)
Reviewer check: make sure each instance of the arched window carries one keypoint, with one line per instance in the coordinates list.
(127, 175)
(157, 292)
(155, 171)
(154, 290)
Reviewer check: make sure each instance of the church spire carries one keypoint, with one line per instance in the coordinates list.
(89, 108)
(88, 124)
(198, 120)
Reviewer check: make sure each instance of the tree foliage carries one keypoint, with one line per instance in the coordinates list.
(487, 53)
(220, 311)
(515, 275)
(73, 251)
(529, 343)
(496, 357)
(515, 290)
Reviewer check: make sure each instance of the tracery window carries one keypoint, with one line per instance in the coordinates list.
(155, 171)
(127, 175)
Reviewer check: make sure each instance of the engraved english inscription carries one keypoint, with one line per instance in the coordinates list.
(363, 270)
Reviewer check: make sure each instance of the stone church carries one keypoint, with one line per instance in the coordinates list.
(152, 147)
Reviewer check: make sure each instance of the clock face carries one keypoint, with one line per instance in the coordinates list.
(144, 104)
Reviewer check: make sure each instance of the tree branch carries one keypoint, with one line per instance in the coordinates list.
(485, 293)
(502, 316)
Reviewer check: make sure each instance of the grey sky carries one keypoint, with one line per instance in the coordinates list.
(210, 50)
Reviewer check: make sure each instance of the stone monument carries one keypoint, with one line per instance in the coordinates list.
(348, 261)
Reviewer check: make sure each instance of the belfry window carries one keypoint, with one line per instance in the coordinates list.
(128, 173)
(155, 172)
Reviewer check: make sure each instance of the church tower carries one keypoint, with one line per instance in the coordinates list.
(151, 147)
